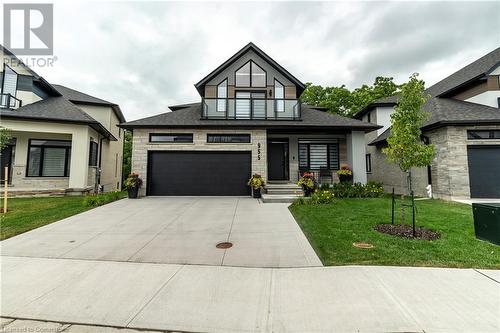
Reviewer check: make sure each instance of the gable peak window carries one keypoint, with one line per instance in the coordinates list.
(250, 75)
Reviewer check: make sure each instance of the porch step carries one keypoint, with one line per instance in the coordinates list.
(283, 189)
(279, 198)
(30, 193)
(271, 190)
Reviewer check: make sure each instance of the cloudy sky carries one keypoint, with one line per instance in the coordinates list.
(147, 55)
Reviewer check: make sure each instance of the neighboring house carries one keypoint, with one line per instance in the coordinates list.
(63, 141)
(249, 120)
(464, 127)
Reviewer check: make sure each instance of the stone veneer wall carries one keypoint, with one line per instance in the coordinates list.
(141, 146)
(450, 169)
(20, 181)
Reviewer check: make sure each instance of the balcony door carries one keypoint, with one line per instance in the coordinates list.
(250, 104)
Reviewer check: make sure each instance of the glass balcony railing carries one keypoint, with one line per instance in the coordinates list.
(251, 108)
(7, 101)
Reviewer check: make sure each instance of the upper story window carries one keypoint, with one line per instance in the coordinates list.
(250, 75)
(279, 95)
(221, 96)
(9, 86)
(171, 137)
(483, 134)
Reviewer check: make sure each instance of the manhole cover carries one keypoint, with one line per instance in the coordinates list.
(224, 245)
(362, 245)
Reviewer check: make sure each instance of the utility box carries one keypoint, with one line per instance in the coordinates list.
(487, 221)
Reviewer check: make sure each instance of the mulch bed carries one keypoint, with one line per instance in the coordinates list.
(406, 231)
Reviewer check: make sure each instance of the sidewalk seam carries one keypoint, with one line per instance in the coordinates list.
(154, 295)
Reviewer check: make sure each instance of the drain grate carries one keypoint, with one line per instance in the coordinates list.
(224, 245)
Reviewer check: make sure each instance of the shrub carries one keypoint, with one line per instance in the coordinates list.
(358, 190)
(100, 199)
(322, 197)
(132, 181)
(374, 189)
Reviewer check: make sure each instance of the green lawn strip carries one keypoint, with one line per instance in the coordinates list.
(332, 228)
(25, 214)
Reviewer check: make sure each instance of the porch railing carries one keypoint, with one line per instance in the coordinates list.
(7, 101)
(251, 108)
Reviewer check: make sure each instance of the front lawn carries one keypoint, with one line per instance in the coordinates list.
(25, 214)
(333, 228)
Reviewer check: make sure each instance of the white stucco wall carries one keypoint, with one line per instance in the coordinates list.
(489, 98)
(383, 117)
(356, 154)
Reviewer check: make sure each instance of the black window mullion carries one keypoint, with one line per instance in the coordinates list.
(40, 167)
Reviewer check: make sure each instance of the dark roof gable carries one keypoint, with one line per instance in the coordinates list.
(250, 46)
(79, 97)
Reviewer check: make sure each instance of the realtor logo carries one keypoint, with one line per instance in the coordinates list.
(28, 28)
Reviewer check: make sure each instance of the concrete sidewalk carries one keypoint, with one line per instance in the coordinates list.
(232, 299)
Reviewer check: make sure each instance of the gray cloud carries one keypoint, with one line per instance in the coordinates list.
(147, 55)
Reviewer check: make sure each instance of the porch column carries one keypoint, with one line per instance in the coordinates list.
(356, 155)
(80, 142)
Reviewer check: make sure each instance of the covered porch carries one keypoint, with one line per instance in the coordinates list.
(49, 159)
(290, 153)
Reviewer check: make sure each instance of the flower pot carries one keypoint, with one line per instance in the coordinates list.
(307, 191)
(256, 193)
(345, 178)
(133, 192)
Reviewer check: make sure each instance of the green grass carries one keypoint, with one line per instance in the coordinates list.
(25, 214)
(332, 228)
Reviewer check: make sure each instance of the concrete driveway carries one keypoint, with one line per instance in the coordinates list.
(176, 231)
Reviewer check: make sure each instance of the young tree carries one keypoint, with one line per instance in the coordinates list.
(4, 137)
(127, 154)
(405, 146)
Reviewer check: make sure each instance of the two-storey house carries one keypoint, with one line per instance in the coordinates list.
(464, 126)
(63, 141)
(249, 120)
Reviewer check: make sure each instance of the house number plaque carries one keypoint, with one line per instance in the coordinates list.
(258, 151)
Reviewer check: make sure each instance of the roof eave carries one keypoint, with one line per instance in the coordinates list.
(444, 123)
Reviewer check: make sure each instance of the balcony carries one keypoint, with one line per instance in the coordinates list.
(7, 101)
(250, 109)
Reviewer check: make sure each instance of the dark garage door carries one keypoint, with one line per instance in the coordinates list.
(484, 171)
(198, 173)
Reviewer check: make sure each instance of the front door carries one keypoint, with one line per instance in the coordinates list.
(277, 159)
(6, 161)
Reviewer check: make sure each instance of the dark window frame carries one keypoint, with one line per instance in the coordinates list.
(368, 163)
(190, 135)
(219, 99)
(93, 153)
(250, 81)
(238, 135)
(491, 134)
(279, 99)
(369, 117)
(328, 157)
(67, 155)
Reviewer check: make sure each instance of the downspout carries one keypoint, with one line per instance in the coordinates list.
(98, 171)
(426, 141)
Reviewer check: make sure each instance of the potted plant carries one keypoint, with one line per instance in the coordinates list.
(308, 183)
(133, 183)
(256, 182)
(345, 174)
